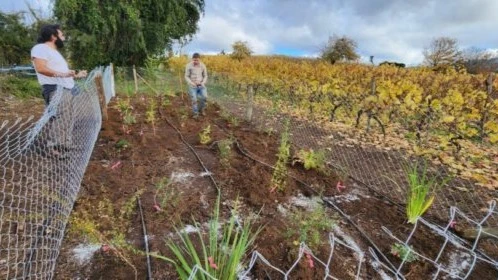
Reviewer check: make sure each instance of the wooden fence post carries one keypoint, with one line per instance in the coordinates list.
(135, 79)
(489, 84)
(100, 90)
(250, 101)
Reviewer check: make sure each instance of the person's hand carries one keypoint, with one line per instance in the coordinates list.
(81, 74)
(71, 73)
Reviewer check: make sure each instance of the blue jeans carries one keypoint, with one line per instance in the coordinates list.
(197, 93)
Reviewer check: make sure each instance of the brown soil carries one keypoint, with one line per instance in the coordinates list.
(153, 154)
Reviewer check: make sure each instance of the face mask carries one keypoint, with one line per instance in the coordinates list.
(59, 43)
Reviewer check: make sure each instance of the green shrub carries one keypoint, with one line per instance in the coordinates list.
(20, 87)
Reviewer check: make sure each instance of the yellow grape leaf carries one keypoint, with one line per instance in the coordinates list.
(493, 138)
(448, 119)
(480, 178)
(447, 159)
(457, 166)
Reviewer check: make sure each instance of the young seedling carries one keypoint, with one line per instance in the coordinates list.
(165, 195)
(279, 175)
(421, 189)
(308, 226)
(224, 146)
(150, 115)
(220, 256)
(311, 159)
(232, 120)
(183, 116)
(122, 144)
(106, 225)
(403, 252)
(124, 106)
(129, 118)
(204, 135)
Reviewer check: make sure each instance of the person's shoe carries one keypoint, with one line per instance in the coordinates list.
(203, 113)
(195, 116)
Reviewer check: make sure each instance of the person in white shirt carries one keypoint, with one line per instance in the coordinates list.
(196, 77)
(52, 72)
(51, 67)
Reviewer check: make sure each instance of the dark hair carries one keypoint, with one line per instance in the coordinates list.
(196, 55)
(47, 31)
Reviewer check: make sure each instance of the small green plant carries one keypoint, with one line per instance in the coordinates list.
(269, 131)
(421, 191)
(150, 115)
(224, 146)
(311, 159)
(152, 67)
(165, 196)
(308, 226)
(279, 175)
(183, 116)
(205, 135)
(123, 106)
(165, 101)
(403, 252)
(122, 144)
(234, 121)
(106, 225)
(129, 118)
(221, 257)
(231, 119)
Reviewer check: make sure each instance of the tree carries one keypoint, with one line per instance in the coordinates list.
(125, 32)
(442, 51)
(241, 50)
(397, 64)
(339, 49)
(16, 39)
(478, 60)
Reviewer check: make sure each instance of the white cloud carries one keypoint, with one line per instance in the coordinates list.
(217, 34)
(388, 30)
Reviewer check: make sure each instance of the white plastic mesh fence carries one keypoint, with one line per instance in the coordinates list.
(41, 167)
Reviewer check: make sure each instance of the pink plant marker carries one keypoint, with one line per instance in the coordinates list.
(105, 248)
(340, 186)
(211, 263)
(310, 260)
(157, 208)
(116, 165)
(453, 224)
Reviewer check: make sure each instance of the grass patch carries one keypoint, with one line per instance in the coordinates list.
(20, 87)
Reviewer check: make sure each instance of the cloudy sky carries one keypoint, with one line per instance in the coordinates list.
(43, 7)
(394, 30)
